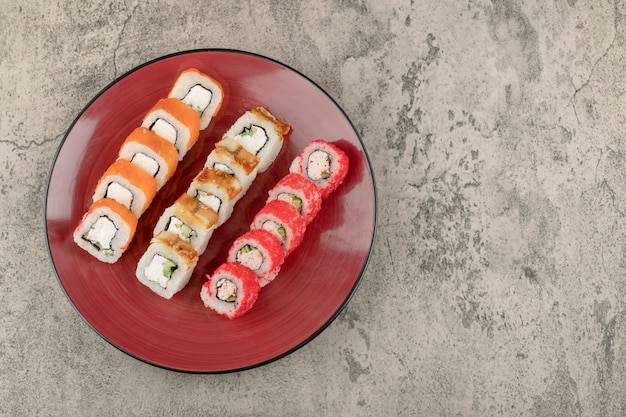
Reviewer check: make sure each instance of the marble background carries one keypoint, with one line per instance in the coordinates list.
(495, 131)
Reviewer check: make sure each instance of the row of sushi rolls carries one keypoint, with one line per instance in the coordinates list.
(149, 157)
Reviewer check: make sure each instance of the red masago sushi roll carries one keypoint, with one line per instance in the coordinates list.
(231, 290)
(299, 192)
(259, 251)
(283, 221)
(323, 163)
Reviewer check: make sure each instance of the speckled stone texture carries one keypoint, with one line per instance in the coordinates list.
(496, 134)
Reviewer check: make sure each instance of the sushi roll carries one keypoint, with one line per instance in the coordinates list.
(231, 290)
(241, 154)
(241, 165)
(171, 119)
(106, 230)
(260, 133)
(299, 192)
(217, 190)
(259, 251)
(152, 153)
(191, 220)
(199, 92)
(283, 221)
(127, 184)
(167, 264)
(324, 164)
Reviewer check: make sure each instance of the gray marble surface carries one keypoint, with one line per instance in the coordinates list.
(496, 134)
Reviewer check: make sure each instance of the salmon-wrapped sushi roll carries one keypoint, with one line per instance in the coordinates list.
(200, 92)
(324, 164)
(191, 220)
(299, 192)
(261, 134)
(217, 190)
(171, 119)
(152, 153)
(167, 264)
(261, 252)
(127, 184)
(240, 164)
(231, 290)
(283, 221)
(106, 230)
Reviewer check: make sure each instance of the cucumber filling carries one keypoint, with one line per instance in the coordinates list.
(318, 165)
(101, 234)
(160, 270)
(198, 98)
(276, 229)
(253, 138)
(183, 230)
(292, 199)
(226, 290)
(249, 256)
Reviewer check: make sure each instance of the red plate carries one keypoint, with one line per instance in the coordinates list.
(317, 279)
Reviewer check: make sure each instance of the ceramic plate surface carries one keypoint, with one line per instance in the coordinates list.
(316, 280)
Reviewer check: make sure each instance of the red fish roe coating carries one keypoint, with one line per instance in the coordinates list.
(246, 295)
(308, 194)
(282, 220)
(258, 247)
(309, 165)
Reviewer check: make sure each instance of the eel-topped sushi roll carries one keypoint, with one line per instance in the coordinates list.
(231, 290)
(259, 251)
(300, 193)
(324, 164)
(216, 189)
(191, 220)
(171, 119)
(127, 184)
(261, 134)
(200, 92)
(106, 230)
(167, 264)
(283, 221)
(152, 153)
(242, 165)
